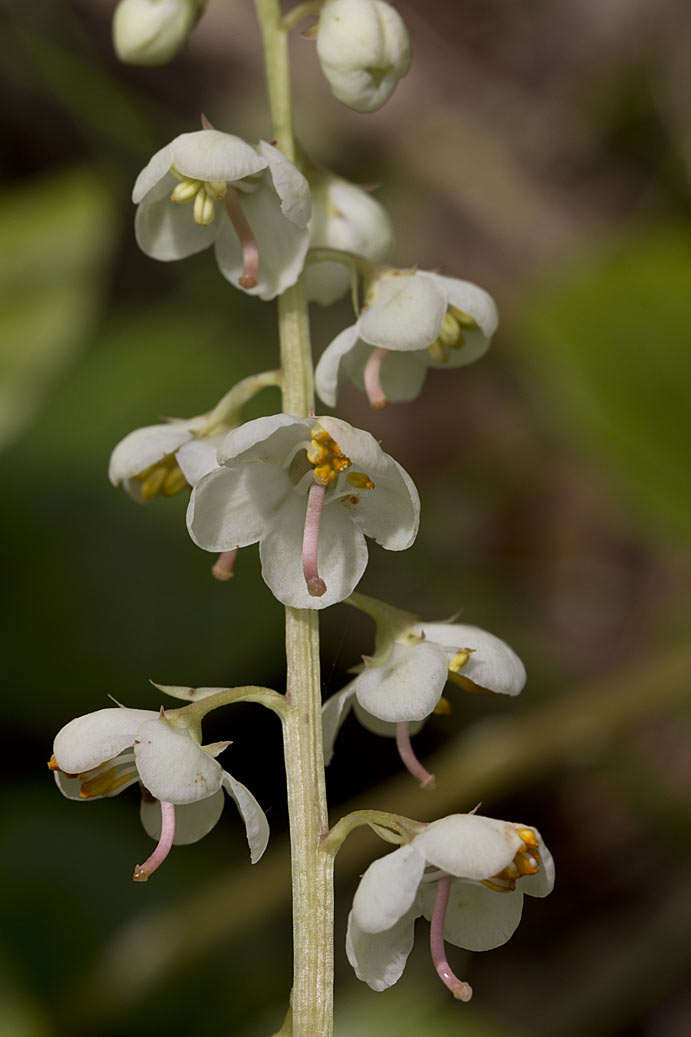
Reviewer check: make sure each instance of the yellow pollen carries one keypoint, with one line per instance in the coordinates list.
(329, 460)
(443, 707)
(460, 659)
(162, 479)
(526, 862)
(360, 480)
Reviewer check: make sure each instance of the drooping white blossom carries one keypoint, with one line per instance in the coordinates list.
(308, 490)
(101, 754)
(211, 188)
(467, 874)
(411, 320)
(364, 49)
(151, 32)
(403, 682)
(163, 459)
(347, 218)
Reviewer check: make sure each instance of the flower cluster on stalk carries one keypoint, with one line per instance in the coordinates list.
(310, 490)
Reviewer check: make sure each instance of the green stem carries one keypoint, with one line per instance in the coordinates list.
(392, 828)
(312, 869)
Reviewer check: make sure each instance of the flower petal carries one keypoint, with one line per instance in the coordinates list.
(290, 185)
(166, 231)
(282, 245)
(406, 313)
(172, 766)
(382, 727)
(331, 367)
(493, 664)
(270, 438)
(334, 712)
(198, 457)
(469, 846)
(192, 820)
(390, 513)
(342, 555)
(256, 825)
(143, 447)
(90, 740)
(477, 918)
(388, 889)
(469, 298)
(407, 686)
(232, 507)
(380, 958)
(213, 155)
(154, 171)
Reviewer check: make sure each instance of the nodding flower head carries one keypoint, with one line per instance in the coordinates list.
(101, 754)
(411, 320)
(465, 873)
(308, 490)
(252, 205)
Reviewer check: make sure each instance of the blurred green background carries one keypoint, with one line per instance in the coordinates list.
(543, 149)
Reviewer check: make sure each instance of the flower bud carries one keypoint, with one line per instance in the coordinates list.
(347, 218)
(363, 48)
(151, 32)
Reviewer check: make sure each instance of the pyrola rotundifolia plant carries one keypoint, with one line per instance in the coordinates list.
(315, 493)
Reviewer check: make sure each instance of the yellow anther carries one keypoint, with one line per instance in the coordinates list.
(161, 479)
(443, 707)
(317, 453)
(215, 188)
(460, 659)
(104, 783)
(360, 480)
(53, 764)
(526, 864)
(320, 435)
(499, 887)
(185, 191)
(341, 463)
(152, 485)
(528, 837)
(438, 352)
(174, 482)
(449, 331)
(204, 209)
(464, 319)
(324, 474)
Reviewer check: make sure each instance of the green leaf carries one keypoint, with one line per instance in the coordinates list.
(611, 340)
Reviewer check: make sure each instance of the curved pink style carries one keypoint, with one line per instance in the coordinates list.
(310, 541)
(372, 378)
(142, 871)
(223, 567)
(461, 990)
(250, 252)
(405, 751)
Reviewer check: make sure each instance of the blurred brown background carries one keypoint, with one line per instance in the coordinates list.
(543, 149)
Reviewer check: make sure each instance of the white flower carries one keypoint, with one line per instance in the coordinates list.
(259, 231)
(411, 320)
(363, 49)
(309, 490)
(465, 873)
(102, 753)
(151, 32)
(163, 459)
(402, 684)
(347, 218)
